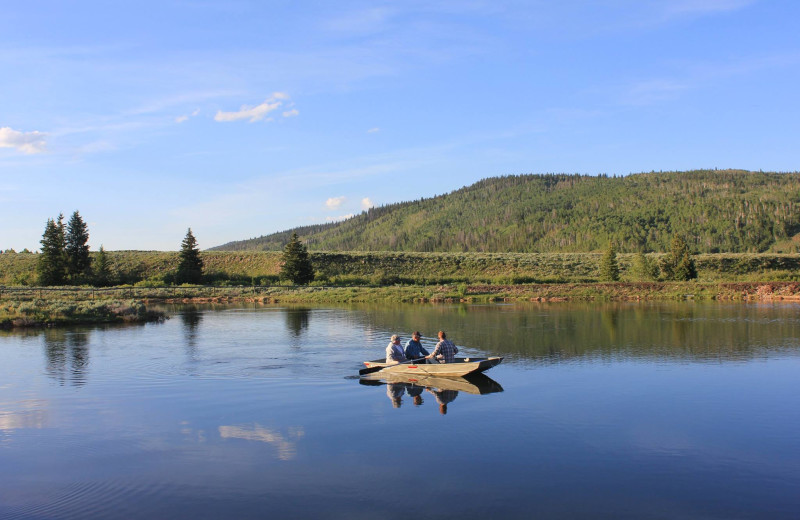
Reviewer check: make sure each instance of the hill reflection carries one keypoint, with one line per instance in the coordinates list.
(564, 331)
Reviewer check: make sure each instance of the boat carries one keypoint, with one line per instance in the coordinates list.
(477, 384)
(458, 368)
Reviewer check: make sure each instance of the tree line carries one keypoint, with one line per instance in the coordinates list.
(65, 258)
(678, 265)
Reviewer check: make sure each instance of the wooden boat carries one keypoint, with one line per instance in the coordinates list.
(478, 384)
(459, 368)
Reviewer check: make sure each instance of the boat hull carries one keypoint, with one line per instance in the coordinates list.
(460, 367)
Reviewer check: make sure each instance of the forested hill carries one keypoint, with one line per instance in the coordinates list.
(715, 211)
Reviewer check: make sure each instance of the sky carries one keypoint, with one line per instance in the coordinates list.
(241, 118)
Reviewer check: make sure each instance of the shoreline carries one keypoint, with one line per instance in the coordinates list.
(543, 293)
(57, 311)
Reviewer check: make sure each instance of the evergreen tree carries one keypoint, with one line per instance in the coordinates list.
(296, 263)
(52, 264)
(190, 268)
(77, 249)
(678, 263)
(644, 268)
(609, 268)
(101, 268)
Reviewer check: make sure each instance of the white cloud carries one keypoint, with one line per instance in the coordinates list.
(181, 119)
(367, 203)
(256, 113)
(333, 203)
(373, 130)
(25, 142)
(339, 218)
(291, 113)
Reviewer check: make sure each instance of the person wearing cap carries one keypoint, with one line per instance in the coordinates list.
(414, 349)
(394, 352)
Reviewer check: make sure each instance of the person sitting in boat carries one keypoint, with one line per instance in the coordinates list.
(445, 351)
(394, 352)
(414, 349)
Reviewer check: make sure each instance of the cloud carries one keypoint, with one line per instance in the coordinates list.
(339, 218)
(181, 119)
(256, 113)
(373, 130)
(25, 142)
(333, 203)
(291, 113)
(367, 203)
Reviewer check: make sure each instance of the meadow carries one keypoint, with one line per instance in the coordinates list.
(262, 268)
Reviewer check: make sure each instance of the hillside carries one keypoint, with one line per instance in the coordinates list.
(715, 210)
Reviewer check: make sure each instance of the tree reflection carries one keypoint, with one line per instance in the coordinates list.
(297, 320)
(67, 355)
(558, 332)
(191, 318)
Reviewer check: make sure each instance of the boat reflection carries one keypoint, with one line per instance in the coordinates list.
(443, 389)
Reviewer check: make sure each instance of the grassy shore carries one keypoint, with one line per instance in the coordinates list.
(67, 306)
(653, 291)
(55, 312)
(143, 277)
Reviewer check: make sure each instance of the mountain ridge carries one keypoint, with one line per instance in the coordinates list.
(715, 210)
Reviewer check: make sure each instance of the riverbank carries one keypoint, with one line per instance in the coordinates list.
(51, 313)
(71, 306)
(479, 293)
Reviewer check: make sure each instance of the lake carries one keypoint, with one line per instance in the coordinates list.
(674, 410)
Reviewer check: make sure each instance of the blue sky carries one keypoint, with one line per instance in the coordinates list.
(242, 118)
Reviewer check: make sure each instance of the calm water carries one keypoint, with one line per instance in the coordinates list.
(598, 411)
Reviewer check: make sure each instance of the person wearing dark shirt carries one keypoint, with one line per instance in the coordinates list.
(414, 349)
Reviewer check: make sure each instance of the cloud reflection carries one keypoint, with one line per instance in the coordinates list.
(286, 445)
(35, 417)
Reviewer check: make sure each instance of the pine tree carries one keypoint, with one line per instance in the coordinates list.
(678, 263)
(52, 265)
(190, 268)
(297, 265)
(77, 249)
(101, 268)
(609, 268)
(644, 268)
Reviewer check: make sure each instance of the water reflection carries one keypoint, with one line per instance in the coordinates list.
(444, 389)
(191, 318)
(32, 414)
(286, 444)
(559, 332)
(297, 320)
(67, 355)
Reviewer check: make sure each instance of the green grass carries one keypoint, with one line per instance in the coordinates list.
(150, 268)
(49, 312)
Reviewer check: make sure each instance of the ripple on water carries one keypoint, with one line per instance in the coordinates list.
(94, 499)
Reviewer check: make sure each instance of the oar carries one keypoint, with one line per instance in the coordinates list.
(365, 371)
